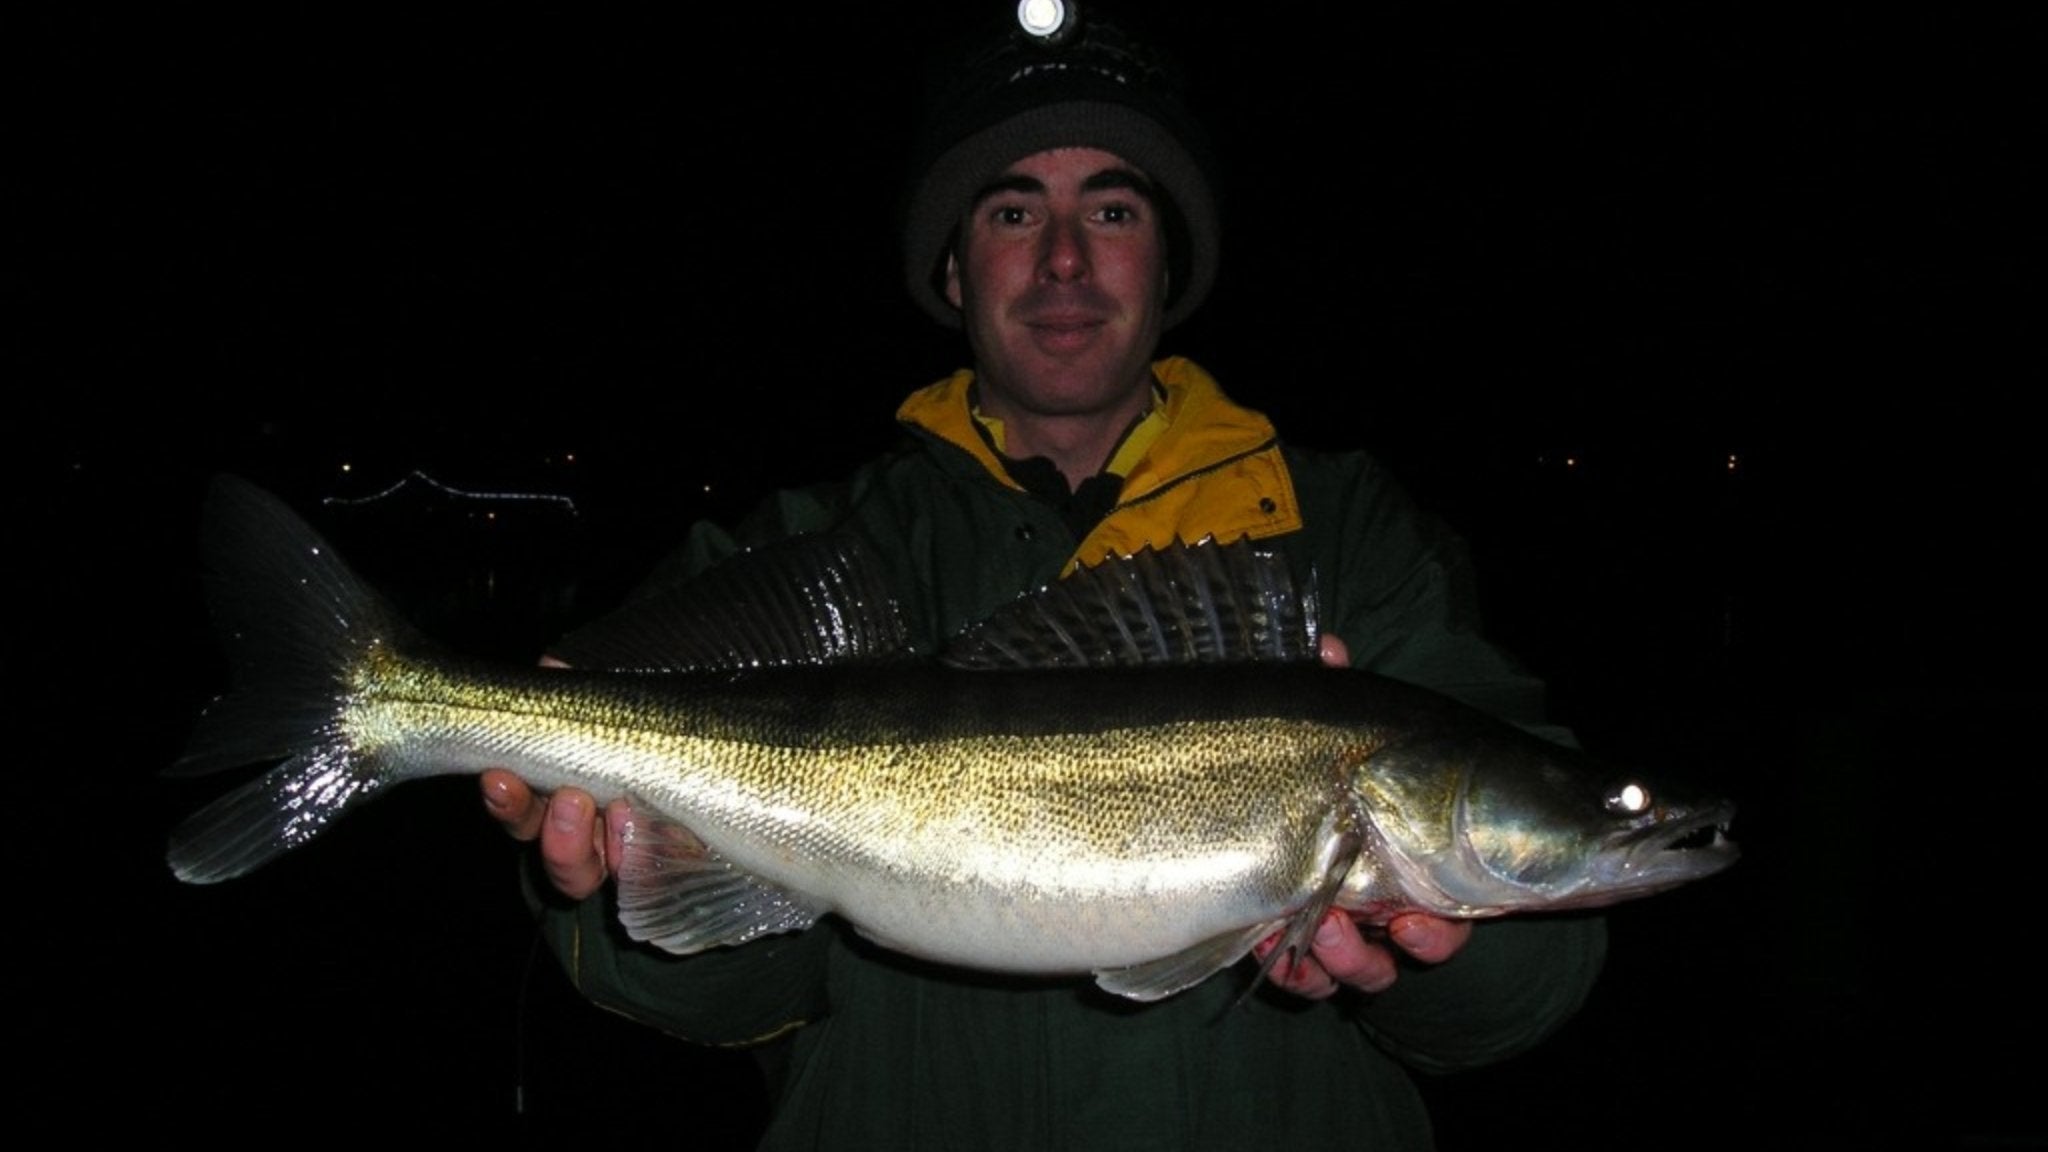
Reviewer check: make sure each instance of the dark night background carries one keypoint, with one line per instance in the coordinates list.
(1702, 322)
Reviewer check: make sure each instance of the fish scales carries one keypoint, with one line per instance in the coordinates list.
(913, 793)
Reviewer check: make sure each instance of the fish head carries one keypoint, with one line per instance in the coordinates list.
(1566, 834)
(1492, 828)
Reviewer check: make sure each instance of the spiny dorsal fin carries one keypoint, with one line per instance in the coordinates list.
(807, 600)
(1199, 603)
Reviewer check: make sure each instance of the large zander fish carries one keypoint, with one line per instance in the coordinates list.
(1138, 772)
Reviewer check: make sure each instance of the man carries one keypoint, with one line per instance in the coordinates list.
(1064, 217)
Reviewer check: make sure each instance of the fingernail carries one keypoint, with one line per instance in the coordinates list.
(568, 813)
(1409, 934)
(1329, 934)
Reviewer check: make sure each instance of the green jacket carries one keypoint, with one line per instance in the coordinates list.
(885, 1052)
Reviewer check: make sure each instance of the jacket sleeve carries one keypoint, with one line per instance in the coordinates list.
(1516, 982)
(1397, 587)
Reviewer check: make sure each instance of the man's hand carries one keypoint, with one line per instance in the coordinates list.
(1340, 954)
(577, 842)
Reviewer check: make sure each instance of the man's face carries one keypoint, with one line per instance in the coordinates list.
(1060, 277)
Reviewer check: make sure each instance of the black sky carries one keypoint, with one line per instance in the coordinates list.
(1477, 240)
(1608, 223)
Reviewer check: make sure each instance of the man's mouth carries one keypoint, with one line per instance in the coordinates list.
(1063, 326)
(1064, 331)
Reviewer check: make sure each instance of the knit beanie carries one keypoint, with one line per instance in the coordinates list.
(1014, 96)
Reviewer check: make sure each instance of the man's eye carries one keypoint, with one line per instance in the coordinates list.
(1009, 214)
(1117, 213)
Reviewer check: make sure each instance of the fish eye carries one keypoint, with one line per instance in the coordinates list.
(1629, 799)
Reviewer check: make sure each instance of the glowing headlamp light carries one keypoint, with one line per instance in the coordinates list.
(1050, 22)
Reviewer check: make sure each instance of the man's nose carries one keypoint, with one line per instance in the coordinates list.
(1063, 255)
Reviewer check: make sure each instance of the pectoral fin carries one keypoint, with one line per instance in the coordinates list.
(682, 897)
(1341, 843)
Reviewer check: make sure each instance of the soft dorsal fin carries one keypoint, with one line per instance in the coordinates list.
(1183, 604)
(809, 599)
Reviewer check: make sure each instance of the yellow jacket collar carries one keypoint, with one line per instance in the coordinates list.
(1215, 470)
(1203, 425)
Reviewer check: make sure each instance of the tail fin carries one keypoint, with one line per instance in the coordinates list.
(295, 623)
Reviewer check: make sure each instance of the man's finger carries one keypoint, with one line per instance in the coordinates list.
(1333, 650)
(570, 848)
(1300, 975)
(1349, 957)
(1429, 939)
(511, 803)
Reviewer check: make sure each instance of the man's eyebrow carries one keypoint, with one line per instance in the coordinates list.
(1126, 178)
(1009, 182)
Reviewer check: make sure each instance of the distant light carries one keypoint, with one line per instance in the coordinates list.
(346, 466)
(1048, 20)
(1571, 461)
(1731, 461)
(454, 493)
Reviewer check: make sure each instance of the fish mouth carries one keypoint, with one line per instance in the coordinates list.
(1705, 831)
(1674, 849)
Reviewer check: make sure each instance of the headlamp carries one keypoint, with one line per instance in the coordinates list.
(1049, 22)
